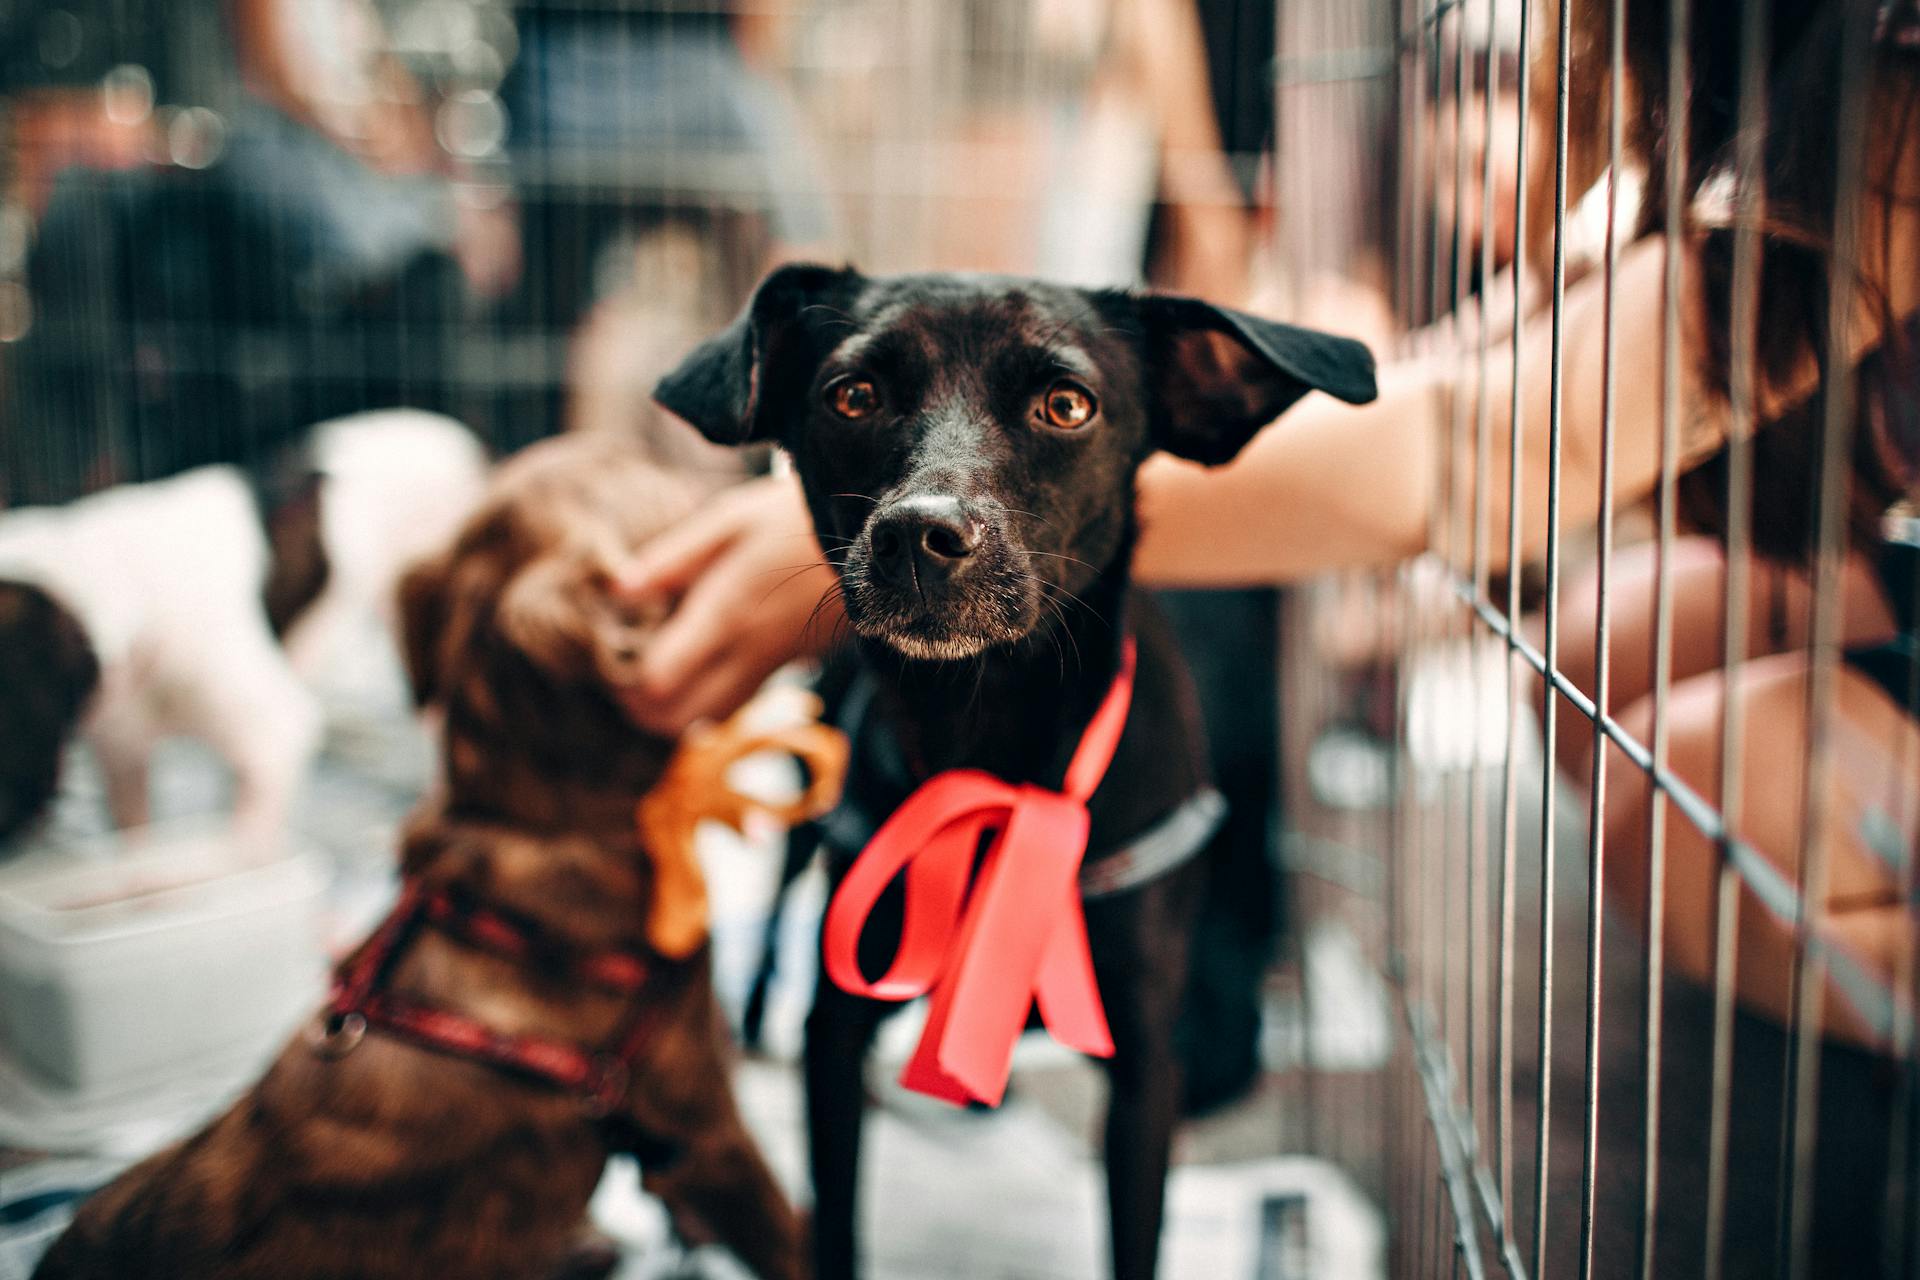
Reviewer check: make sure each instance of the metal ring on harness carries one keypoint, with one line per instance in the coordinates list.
(337, 1035)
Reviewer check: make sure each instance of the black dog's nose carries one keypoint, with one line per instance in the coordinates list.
(928, 536)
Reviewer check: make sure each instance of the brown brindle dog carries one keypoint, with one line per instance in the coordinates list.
(372, 1155)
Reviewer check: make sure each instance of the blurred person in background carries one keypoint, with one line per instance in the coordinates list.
(240, 222)
(662, 167)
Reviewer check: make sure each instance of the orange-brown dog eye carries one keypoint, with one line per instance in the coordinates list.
(1068, 406)
(853, 397)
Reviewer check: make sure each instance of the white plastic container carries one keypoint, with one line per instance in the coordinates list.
(123, 966)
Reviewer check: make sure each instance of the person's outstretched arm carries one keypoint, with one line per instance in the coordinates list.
(1335, 487)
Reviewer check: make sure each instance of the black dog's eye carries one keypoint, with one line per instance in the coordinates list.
(1068, 406)
(852, 397)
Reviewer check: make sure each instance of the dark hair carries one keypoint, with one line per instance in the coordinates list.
(47, 673)
(1814, 46)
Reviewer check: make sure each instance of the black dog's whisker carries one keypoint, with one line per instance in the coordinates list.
(1052, 610)
(837, 591)
(1055, 555)
(1078, 660)
(1046, 587)
(826, 555)
(1035, 514)
(793, 571)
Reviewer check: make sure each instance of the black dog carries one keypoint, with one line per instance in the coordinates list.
(968, 448)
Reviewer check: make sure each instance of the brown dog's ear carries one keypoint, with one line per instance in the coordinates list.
(1217, 376)
(423, 622)
(724, 387)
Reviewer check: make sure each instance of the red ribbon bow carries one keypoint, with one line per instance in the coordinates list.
(1019, 937)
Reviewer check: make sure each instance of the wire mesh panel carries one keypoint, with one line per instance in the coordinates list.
(1648, 909)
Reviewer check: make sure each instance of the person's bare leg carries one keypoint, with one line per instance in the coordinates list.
(1872, 807)
(1779, 601)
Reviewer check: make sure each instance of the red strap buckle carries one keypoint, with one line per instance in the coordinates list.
(336, 1035)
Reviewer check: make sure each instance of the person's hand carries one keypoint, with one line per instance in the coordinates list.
(749, 592)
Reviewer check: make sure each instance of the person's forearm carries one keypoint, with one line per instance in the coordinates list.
(1332, 487)
(1327, 487)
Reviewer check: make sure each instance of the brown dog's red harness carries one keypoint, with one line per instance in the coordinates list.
(360, 1003)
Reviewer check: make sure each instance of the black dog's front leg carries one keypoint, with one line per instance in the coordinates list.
(839, 1032)
(1143, 1104)
(1140, 945)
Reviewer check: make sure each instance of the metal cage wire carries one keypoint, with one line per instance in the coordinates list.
(1476, 1098)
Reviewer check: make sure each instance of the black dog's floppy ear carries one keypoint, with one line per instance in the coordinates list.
(1217, 376)
(724, 386)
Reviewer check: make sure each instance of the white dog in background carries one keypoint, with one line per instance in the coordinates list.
(194, 606)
